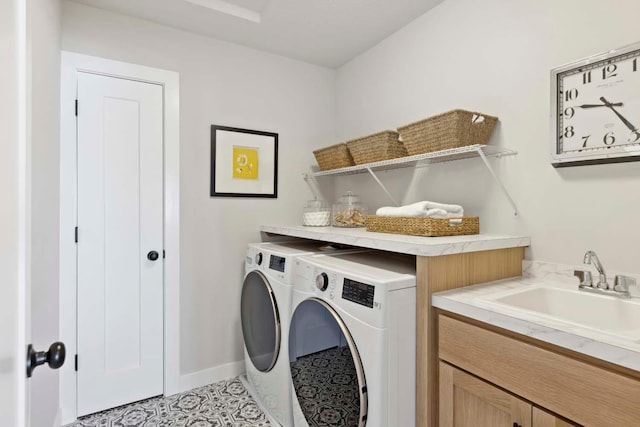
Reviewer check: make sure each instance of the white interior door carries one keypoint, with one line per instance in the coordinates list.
(13, 223)
(120, 225)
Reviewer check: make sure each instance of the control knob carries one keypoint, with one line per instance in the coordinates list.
(322, 281)
(259, 258)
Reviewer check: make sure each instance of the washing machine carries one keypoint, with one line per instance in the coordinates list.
(352, 340)
(265, 312)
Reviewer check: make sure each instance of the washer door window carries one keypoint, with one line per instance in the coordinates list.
(260, 321)
(326, 370)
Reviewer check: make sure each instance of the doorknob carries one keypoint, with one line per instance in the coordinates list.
(152, 256)
(54, 357)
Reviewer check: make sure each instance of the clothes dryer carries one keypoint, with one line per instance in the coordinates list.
(352, 340)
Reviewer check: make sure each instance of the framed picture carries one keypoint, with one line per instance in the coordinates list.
(244, 163)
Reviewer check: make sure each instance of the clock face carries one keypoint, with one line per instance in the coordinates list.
(597, 109)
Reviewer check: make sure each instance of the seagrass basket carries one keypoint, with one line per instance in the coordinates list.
(377, 147)
(334, 157)
(423, 226)
(453, 129)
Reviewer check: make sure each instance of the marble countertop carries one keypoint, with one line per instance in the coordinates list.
(412, 245)
(469, 302)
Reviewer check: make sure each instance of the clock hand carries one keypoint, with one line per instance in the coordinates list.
(618, 104)
(626, 122)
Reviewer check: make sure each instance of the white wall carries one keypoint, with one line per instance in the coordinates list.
(225, 84)
(44, 24)
(495, 56)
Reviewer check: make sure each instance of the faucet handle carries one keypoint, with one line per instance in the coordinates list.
(622, 283)
(586, 281)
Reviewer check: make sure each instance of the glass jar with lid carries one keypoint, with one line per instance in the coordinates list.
(316, 214)
(349, 211)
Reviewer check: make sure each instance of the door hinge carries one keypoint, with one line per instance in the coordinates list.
(76, 108)
(163, 254)
(76, 363)
(76, 234)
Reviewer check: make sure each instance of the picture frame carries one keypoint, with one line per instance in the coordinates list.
(244, 163)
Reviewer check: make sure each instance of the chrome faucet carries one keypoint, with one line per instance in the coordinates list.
(591, 258)
(620, 286)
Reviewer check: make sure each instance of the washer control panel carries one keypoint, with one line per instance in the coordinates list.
(358, 292)
(277, 263)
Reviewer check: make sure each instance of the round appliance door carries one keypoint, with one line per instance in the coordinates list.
(328, 378)
(260, 321)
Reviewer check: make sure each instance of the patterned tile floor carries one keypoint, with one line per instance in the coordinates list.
(223, 404)
(326, 384)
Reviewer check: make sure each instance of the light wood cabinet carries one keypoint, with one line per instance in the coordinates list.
(441, 273)
(545, 419)
(468, 401)
(552, 379)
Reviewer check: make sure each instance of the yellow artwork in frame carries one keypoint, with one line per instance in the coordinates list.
(245, 163)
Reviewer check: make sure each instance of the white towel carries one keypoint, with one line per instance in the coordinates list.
(441, 213)
(431, 209)
(415, 209)
(456, 209)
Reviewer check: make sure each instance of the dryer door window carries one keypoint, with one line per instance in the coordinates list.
(260, 321)
(328, 378)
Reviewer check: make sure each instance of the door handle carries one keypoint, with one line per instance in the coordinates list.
(153, 256)
(54, 357)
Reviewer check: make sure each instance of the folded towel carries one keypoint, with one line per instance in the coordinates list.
(431, 209)
(436, 213)
(415, 209)
(441, 213)
(448, 208)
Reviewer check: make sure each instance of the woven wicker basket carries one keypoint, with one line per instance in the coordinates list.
(454, 129)
(374, 148)
(334, 157)
(422, 226)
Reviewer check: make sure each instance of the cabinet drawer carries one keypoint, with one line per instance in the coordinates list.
(587, 394)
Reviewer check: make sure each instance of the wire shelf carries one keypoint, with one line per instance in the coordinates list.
(420, 160)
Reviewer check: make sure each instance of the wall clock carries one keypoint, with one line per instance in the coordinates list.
(595, 109)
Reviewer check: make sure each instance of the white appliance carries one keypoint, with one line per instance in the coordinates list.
(352, 340)
(265, 313)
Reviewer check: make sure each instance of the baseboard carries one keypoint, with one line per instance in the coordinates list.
(211, 375)
(57, 422)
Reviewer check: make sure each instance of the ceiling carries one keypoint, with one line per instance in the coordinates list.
(323, 32)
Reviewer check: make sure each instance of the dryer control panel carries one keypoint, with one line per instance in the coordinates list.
(358, 292)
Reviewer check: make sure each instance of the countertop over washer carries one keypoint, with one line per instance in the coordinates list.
(412, 245)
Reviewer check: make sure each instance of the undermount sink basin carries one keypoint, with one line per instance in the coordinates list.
(609, 314)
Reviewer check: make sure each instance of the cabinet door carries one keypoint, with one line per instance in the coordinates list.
(544, 419)
(467, 401)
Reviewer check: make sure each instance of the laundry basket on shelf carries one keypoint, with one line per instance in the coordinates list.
(453, 129)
